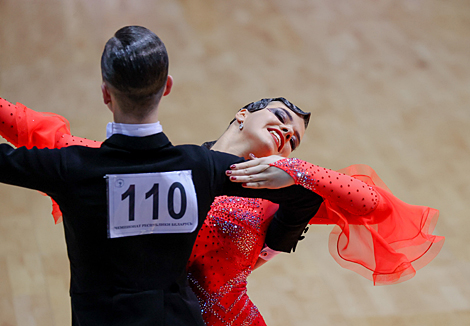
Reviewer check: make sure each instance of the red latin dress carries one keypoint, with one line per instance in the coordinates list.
(375, 234)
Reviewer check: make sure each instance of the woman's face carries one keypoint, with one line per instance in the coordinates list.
(275, 130)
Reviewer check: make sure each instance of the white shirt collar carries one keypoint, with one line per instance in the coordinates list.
(134, 130)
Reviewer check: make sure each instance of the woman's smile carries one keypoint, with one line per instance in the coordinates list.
(278, 138)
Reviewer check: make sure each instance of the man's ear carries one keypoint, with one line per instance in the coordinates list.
(240, 116)
(106, 94)
(168, 86)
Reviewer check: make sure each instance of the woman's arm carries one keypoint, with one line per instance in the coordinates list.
(22, 126)
(349, 193)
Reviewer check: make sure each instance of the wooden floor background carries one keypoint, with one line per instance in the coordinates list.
(388, 85)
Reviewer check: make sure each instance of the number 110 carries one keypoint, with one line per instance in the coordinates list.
(154, 193)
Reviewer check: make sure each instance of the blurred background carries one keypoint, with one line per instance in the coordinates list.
(388, 85)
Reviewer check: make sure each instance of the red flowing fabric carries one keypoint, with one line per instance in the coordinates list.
(22, 126)
(387, 245)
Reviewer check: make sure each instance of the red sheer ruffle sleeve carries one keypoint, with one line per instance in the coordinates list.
(22, 126)
(386, 242)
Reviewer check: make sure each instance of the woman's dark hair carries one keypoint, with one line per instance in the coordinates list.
(262, 104)
(135, 63)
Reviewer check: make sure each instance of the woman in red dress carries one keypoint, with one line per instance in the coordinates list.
(376, 234)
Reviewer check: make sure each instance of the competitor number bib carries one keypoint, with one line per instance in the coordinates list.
(149, 203)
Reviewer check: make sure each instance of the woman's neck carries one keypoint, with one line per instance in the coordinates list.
(231, 143)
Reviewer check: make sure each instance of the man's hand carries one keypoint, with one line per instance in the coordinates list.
(258, 174)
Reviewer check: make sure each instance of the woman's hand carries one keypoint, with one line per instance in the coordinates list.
(258, 174)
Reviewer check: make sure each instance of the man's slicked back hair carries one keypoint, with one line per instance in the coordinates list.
(135, 63)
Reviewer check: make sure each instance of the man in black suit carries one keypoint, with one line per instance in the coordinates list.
(132, 208)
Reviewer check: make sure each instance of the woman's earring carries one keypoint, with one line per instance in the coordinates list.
(241, 125)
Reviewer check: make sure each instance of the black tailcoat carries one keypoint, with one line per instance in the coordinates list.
(137, 280)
